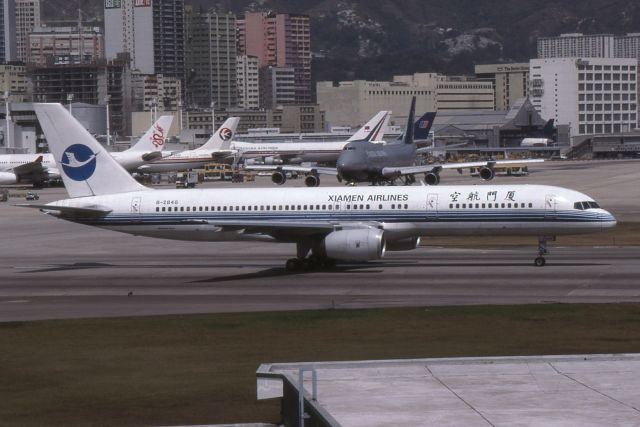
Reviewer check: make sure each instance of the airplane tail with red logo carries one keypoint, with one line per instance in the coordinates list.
(221, 138)
(153, 139)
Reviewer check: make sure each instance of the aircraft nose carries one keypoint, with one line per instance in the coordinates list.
(607, 220)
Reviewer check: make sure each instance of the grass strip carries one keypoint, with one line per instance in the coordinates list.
(200, 369)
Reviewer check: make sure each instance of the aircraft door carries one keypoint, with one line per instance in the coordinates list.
(135, 205)
(432, 206)
(550, 206)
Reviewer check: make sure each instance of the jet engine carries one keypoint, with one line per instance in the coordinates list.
(312, 180)
(431, 178)
(486, 173)
(408, 244)
(355, 245)
(272, 161)
(253, 162)
(279, 177)
(8, 178)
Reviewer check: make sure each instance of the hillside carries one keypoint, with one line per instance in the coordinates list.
(375, 39)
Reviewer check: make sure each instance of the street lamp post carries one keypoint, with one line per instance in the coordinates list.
(70, 100)
(7, 118)
(213, 116)
(106, 100)
(180, 113)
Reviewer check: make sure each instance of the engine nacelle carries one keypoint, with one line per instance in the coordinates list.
(355, 245)
(8, 178)
(486, 173)
(408, 244)
(432, 178)
(253, 162)
(279, 177)
(312, 180)
(272, 161)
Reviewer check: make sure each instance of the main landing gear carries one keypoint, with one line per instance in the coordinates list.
(315, 261)
(309, 263)
(540, 261)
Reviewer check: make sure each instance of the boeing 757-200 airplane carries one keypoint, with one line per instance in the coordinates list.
(330, 223)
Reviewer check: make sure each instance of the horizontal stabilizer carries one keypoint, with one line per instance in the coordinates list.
(69, 210)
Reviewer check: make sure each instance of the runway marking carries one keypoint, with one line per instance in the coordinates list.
(16, 301)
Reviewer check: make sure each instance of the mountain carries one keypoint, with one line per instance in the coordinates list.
(375, 39)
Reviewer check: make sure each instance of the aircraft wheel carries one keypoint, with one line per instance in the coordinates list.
(539, 261)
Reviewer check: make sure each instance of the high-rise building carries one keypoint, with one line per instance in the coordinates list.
(353, 103)
(576, 45)
(279, 40)
(7, 31)
(510, 82)
(248, 82)
(590, 46)
(13, 79)
(277, 87)
(65, 45)
(590, 95)
(27, 18)
(91, 84)
(628, 46)
(150, 32)
(155, 91)
(211, 59)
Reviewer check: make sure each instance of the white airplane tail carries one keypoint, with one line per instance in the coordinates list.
(86, 168)
(221, 138)
(153, 139)
(374, 129)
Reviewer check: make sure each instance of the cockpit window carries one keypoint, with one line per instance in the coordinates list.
(349, 148)
(585, 205)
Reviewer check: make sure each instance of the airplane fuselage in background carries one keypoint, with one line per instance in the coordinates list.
(291, 152)
(361, 161)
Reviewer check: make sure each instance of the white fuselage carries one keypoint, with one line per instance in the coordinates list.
(183, 160)
(402, 212)
(322, 152)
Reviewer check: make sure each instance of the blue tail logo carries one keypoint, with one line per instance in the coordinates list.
(78, 162)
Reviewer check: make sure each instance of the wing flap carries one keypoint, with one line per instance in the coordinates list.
(69, 210)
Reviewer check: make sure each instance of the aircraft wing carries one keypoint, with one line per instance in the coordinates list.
(283, 229)
(30, 168)
(390, 172)
(322, 170)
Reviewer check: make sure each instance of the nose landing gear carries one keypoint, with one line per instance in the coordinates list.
(540, 261)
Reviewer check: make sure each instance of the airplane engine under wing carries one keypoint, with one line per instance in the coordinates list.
(7, 178)
(431, 178)
(273, 161)
(279, 177)
(355, 245)
(312, 180)
(486, 173)
(408, 244)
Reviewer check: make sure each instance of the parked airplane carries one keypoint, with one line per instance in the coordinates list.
(36, 169)
(277, 153)
(216, 147)
(361, 161)
(339, 223)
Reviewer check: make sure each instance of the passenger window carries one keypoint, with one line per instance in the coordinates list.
(157, 209)
(169, 208)
(464, 205)
(348, 207)
(224, 208)
(503, 205)
(368, 206)
(450, 205)
(379, 206)
(406, 206)
(457, 205)
(530, 205)
(317, 207)
(188, 208)
(477, 205)
(244, 207)
(393, 206)
(324, 207)
(305, 207)
(181, 208)
(483, 206)
(509, 205)
(337, 207)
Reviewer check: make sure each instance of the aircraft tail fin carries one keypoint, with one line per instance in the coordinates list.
(86, 168)
(222, 137)
(408, 134)
(422, 127)
(153, 139)
(547, 131)
(374, 129)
